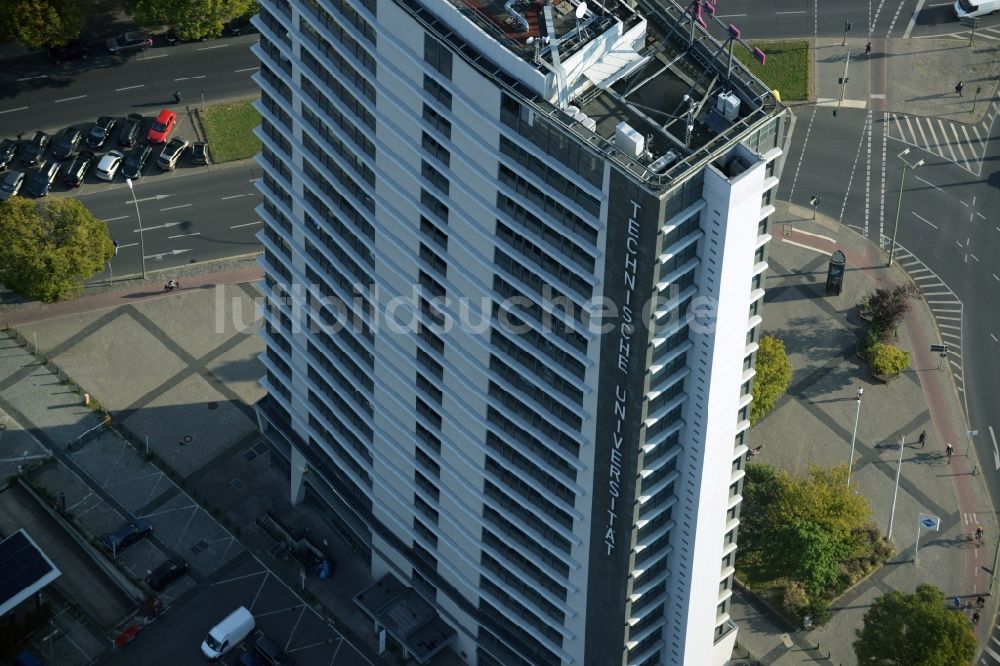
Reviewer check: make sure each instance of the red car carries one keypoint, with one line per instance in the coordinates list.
(161, 127)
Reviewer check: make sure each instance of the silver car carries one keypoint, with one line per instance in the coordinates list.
(108, 166)
(171, 153)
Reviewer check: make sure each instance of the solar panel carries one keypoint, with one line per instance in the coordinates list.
(24, 569)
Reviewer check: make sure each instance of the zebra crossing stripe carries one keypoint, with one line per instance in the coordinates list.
(980, 147)
(923, 136)
(931, 145)
(958, 144)
(910, 127)
(944, 134)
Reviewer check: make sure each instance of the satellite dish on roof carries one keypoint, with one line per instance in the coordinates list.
(581, 9)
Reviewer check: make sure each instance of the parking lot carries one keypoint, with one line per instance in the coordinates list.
(278, 612)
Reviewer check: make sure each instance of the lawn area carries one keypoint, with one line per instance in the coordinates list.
(229, 131)
(786, 68)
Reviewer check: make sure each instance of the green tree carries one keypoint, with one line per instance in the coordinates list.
(762, 489)
(37, 23)
(191, 19)
(809, 553)
(48, 249)
(885, 359)
(823, 498)
(914, 630)
(774, 373)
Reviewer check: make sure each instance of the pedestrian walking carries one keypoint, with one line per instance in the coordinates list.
(177, 97)
(20, 133)
(959, 87)
(975, 618)
(979, 533)
(949, 451)
(958, 604)
(868, 49)
(923, 438)
(980, 602)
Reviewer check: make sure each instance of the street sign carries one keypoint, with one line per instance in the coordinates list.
(969, 21)
(929, 522)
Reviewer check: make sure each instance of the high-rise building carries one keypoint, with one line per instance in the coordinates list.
(514, 259)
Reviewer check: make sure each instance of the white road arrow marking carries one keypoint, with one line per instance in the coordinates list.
(159, 226)
(156, 198)
(167, 254)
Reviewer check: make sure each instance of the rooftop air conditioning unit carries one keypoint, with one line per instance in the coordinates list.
(628, 140)
(727, 105)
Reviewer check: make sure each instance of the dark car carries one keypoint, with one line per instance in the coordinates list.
(33, 151)
(74, 50)
(76, 170)
(11, 184)
(172, 39)
(240, 26)
(136, 161)
(42, 181)
(166, 573)
(199, 152)
(67, 143)
(8, 149)
(270, 653)
(101, 131)
(131, 129)
(136, 40)
(126, 535)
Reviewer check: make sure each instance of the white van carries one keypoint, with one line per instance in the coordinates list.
(974, 8)
(227, 634)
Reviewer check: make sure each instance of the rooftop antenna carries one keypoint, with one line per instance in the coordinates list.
(581, 10)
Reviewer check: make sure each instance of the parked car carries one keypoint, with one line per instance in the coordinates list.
(101, 132)
(125, 535)
(76, 170)
(135, 162)
(166, 573)
(269, 652)
(67, 143)
(162, 126)
(11, 184)
(32, 153)
(171, 38)
(228, 633)
(171, 153)
(8, 149)
(129, 42)
(131, 129)
(199, 152)
(108, 166)
(74, 50)
(42, 181)
(241, 25)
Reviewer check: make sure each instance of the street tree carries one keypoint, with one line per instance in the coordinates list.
(38, 23)
(774, 373)
(190, 19)
(48, 250)
(822, 497)
(809, 553)
(887, 308)
(762, 488)
(914, 630)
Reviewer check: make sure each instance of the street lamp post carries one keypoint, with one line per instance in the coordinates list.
(142, 246)
(854, 437)
(899, 203)
(899, 467)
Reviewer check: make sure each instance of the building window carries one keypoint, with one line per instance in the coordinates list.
(435, 149)
(434, 204)
(436, 178)
(437, 121)
(437, 91)
(437, 55)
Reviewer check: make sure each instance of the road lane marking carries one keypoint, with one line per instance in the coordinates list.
(141, 85)
(958, 144)
(996, 278)
(20, 108)
(996, 451)
(154, 198)
(980, 215)
(801, 11)
(161, 55)
(112, 219)
(189, 78)
(29, 78)
(160, 226)
(68, 99)
(124, 245)
(803, 245)
(974, 257)
(217, 46)
(925, 221)
(729, 16)
(254, 69)
(175, 207)
(806, 233)
(994, 338)
(196, 233)
(253, 224)
(235, 196)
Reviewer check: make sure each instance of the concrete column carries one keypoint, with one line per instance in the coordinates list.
(298, 488)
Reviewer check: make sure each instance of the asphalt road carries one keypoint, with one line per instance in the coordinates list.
(36, 94)
(278, 612)
(193, 214)
(812, 18)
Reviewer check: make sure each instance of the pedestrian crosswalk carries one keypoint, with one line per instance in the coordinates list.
(991, 33)
(990, 655)
(944, 305)
(963, 144)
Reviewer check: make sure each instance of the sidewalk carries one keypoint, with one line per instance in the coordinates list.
(813, 424)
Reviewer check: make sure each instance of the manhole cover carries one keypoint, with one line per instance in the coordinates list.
(239, 485)
(188, 439)
(213, 405)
